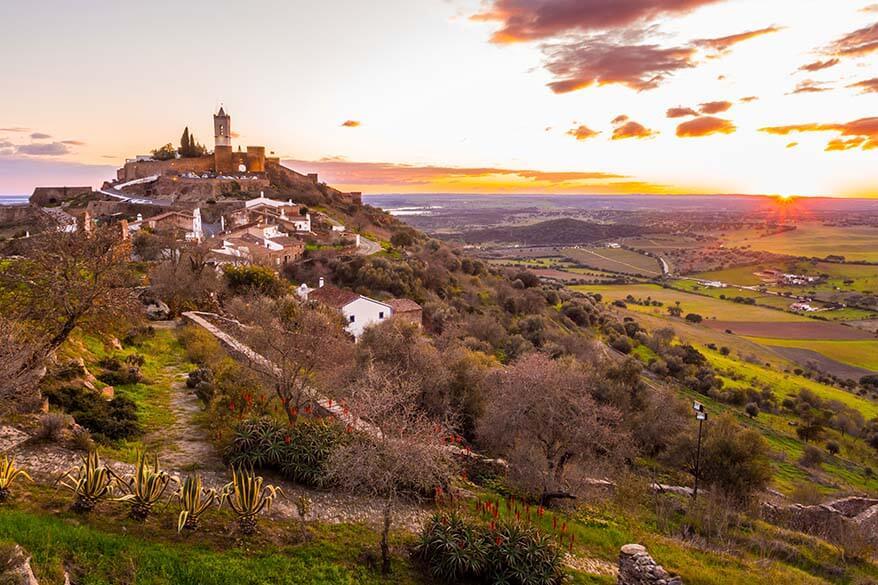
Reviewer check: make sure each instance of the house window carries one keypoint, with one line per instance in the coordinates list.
(380, 314)
(353, 318)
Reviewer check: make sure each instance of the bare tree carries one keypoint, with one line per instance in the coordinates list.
(298, 342)
(185, 280)
(399, 452)
(20, 369)
(542, 419)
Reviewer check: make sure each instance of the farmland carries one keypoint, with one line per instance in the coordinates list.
(791, 330)
(860, 353)
(615, 260)
(813, 239)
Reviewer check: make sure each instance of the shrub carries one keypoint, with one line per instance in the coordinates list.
(621, 344)
(201, 382)
(9, 473)
(811, 457)
(300, 452)
(456, 551)
(107, 420)
(194, 501)
(90, 483)
(248, 495)
(253, 279)
(52, 426)
(145, 488)
(752, 409)
(832, 447)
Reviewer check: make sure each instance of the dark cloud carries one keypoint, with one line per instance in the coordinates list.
(350, 123)
(528, 20)
(705, 126)
(818, 65)
(40, 136)
(811, 86)
(632, 130)
(43, 149)
(582, 132)
(723, 44)
(14, 129)
(619, 119)
(577, 65)
(715, 107)
(857, 133)
(867, 85)
(680, 112)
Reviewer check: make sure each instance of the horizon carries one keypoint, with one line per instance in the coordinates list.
(700, 97)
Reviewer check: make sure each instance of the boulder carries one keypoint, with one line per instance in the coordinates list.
(637, 567)
(108, 392)
(15, 566)
(158, 311)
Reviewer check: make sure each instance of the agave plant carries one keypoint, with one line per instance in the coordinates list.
(90, 483)
(194, 501)
(8, 474)
(145, 487)
(248, 495)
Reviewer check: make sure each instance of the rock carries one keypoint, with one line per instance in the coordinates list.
(158, 311)
(637, 567)
(15, 566)
(108, 392)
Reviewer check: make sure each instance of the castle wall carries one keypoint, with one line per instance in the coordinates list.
(140, 170)
(223, 160)
(256, 159)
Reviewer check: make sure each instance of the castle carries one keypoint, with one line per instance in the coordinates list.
(224, 160)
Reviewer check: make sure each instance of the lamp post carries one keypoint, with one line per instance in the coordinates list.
(701, 416)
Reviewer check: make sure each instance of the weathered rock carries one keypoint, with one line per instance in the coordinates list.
(637, 567)
(158, 311)
(15, 566)
(108, 392)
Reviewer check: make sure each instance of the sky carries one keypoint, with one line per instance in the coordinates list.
(456, 96)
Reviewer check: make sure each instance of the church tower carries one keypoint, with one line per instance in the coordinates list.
(222, 128)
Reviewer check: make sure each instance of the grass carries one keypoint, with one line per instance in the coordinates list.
(707, 307)
(813, 239)
(860, 353)
(615, 260)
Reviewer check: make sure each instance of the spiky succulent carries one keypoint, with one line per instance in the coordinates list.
(90, 483)
(194, 501)
(248, 495)
(8, 474)
(145, 487)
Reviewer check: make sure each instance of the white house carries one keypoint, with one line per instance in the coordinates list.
(359, 312)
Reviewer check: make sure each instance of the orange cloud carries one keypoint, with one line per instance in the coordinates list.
(723, 44)
(715, 107)
(810, 86)
(680, 112)
(749, 98)
(619, 119)
(792, 144)
(818, 65)
(867, 85)
(350, 123)
(705, 126)
(632, 130)
(582, 132)
(399, 178)
(858, 43)
(528, 20)
(860, 133)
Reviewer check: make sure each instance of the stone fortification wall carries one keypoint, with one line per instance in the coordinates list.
(141, 170)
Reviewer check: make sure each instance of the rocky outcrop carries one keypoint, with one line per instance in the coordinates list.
(15, 566)
(834, 521)
(637, 567)
(158, 311)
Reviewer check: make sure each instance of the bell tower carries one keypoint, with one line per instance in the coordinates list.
(222, 128)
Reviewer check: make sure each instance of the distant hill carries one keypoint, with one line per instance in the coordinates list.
(553, 232)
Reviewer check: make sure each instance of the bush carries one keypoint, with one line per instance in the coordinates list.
(812, 457)
(51, 427)
(200, 381)
(106, 420)
(253, 279)
(455, 551)
(300, 453)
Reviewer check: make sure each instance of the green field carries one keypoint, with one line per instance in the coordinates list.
(814, 240)
(707, 307)
(860, 353)
(615, 260)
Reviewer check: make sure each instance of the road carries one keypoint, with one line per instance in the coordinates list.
(368, 247)
(116, 193)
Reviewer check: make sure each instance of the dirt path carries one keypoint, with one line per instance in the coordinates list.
(186, 446)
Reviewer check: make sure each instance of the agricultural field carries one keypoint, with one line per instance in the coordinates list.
(859, 353)
(615, 260)
(707, 307)
(816, 330)
(813, 239)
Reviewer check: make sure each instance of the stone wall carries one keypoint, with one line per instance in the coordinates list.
(141, 170)
(51, 196)
(20, 215)
(637, 567)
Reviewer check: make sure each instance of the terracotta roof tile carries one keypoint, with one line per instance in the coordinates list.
(333, 296)
(403, 305)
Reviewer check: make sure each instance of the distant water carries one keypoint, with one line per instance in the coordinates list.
(13, 199)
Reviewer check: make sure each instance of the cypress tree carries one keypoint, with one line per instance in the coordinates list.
(185, 143)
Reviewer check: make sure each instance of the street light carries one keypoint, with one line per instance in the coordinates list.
(701, 416)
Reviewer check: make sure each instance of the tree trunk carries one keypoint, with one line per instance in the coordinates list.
(385, 547)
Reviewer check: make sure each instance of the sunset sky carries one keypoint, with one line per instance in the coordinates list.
(493, 96)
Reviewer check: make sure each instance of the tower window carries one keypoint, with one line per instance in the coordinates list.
(353, 318)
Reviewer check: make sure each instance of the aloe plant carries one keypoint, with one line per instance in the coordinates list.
(91, 483)
(8, 474)
(194, 501)
(145, 487)
(248, 495)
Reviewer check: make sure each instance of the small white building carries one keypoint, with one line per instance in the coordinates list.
(359, 312)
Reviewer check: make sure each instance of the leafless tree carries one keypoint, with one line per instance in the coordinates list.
(20, 369)
(542, 419)
(400, 455)
(299, 341)
(185, 280)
